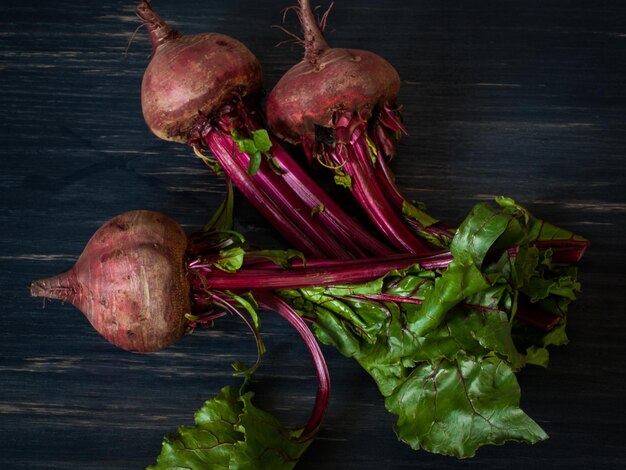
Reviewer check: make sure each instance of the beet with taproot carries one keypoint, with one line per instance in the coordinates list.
(130, 281)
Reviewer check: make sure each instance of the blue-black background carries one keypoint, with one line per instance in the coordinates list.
(524, 99)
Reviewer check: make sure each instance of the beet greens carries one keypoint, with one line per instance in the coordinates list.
(442, 335)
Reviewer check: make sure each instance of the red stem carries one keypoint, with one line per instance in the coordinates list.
(327, 273)
(222, 150)
(272, 302)
(564, 251)
(433, 261)
(532, 315)
(292, 205)
(347, 230)
(288, 191)
(320, 273)
(359, 167)
(350, 233)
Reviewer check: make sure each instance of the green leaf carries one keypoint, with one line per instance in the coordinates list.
(255, 163)
(281, 258)
(317, 209)
(248, 303)
(536, 342)
(539, 230)
(262, 140)
(258, 145)
(244, 143)
(343, 180)
(230, 260)
(372, 148)
(362, 317)
(222, 220)
(538, 356)
(454, 407)
(412, 211)
(556, 337)
(445, 356)
(479, 232)
(231, 433)
(463, 278)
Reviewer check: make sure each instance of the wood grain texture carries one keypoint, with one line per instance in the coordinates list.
(524, 99)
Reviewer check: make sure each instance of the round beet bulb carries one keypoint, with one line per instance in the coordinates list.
(190, 76)
(130, 282)
(340, 106)
(326, 82)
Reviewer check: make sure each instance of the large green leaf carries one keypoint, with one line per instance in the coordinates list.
(443, 345)
(454, 407)
(231, 433)
(538, 230)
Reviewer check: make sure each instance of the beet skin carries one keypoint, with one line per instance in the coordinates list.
(190, 76)
(130, 281)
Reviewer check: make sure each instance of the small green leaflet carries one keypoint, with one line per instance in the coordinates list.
(248, 303)
(344, 180)
(211, 162)
(280, 258)
(231, 433)
(231, 259)
(372, 148)
(537, 356)
(417, 213)
(318, 209)
(257, 145)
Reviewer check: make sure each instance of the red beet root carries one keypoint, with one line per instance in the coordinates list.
(191, 75)
(327, 82)
(340, 106)
(130, 282)
(139, 275)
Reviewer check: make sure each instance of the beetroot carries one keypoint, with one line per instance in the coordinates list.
(142, 283)
(191, 75)
(204, 90)
(140, 276)
(130, 282)
(340, 106)
(326, 83)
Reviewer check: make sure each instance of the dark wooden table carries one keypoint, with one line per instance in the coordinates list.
(524, 99)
